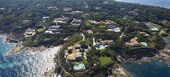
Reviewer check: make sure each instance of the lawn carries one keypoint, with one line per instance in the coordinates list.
(40, 30)
(80, 62)
(105, 60)
(87, 23)
(162, 32)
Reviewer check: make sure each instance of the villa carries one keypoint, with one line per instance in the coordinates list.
(114, 29)
(77, 12)
(111, 26)
(61, 20)
(52, 8)
(67, 9)
(74, 56)
(29, 33)
(102, 44)
(45, 17)
(73, 53)
(76, 22)
(152, 26)
(133, 42)
(144, 34)
(93, 22)
(108, 22)
(55, 29)
(154, 29)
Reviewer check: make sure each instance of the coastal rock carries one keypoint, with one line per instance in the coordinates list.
(119, 71)
(165, 57)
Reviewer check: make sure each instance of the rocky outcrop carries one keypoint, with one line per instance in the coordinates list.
(119, 71)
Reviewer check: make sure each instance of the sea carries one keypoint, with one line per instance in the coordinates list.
(154, 68)
(160, 3)
(25, 63)
(28, 64)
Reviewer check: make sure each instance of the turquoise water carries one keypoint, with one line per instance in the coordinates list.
(24, 64)
(160, 3)
(4, 47)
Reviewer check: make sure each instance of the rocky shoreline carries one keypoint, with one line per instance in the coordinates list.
(50, 72)
(18, 48)
(163, 56)
(15, 50)
(4, 36)
(119, 71)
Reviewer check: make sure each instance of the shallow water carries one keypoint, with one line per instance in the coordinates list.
(24, 64)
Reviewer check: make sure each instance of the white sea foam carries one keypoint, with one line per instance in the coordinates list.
(37, 63)
(29, 63)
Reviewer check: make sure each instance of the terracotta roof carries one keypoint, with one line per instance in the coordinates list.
(74, 56)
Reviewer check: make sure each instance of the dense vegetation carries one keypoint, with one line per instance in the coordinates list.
(18, 15)
(15, 11)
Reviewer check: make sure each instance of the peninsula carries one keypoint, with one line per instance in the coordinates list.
(95, 36)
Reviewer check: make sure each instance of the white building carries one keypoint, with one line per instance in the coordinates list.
(29, 33)
(53, 29)
(61, 20)
(76, 22)
(116, 29)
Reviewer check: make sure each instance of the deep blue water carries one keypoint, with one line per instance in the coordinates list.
(151, 69)
(24, 64)
(160, 3)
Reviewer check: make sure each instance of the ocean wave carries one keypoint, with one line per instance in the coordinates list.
(27, 63)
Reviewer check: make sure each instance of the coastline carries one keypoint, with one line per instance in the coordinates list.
(4, 37)
(119, 71)
(49, 55)
(163, 56)
(16, 46)
(16, 49)
(46, 64)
